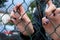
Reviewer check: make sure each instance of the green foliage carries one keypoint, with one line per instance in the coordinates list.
(30, 16)
(10, 23)
(32, 5)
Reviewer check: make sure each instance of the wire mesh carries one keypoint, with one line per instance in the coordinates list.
(36, 19)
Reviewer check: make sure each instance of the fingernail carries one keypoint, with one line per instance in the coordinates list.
(13, 18)
(54, 14)
(46, 17)
(14, 11)
(44, 24)
(47, 21)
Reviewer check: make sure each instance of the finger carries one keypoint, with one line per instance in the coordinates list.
(13, 21)
(55, 16)
(15, 10)
(26, 19)
(47, 25)
(23, 14)
(20, 8)
(50, 9)
(14, 15)
(20, 11)
(57, 11)
(45, 21)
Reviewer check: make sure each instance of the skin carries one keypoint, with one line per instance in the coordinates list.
(25, 20)
(53, 17)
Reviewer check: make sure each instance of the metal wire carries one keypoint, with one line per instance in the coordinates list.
(41, 35)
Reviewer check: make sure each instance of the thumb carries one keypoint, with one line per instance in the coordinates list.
(47, 25)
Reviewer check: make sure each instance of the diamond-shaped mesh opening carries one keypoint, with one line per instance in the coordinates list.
(34, 9)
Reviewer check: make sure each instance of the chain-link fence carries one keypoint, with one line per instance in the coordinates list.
(35, 11)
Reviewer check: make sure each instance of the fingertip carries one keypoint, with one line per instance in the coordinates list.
(43, 18)
(47, 12)
(12, 13)
(14, 9)
(45, 21)
(18, 5)
(12, 20)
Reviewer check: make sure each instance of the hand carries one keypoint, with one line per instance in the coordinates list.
(21, 23)
(51, 21)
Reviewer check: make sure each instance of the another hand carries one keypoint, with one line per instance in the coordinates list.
(51, 22)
